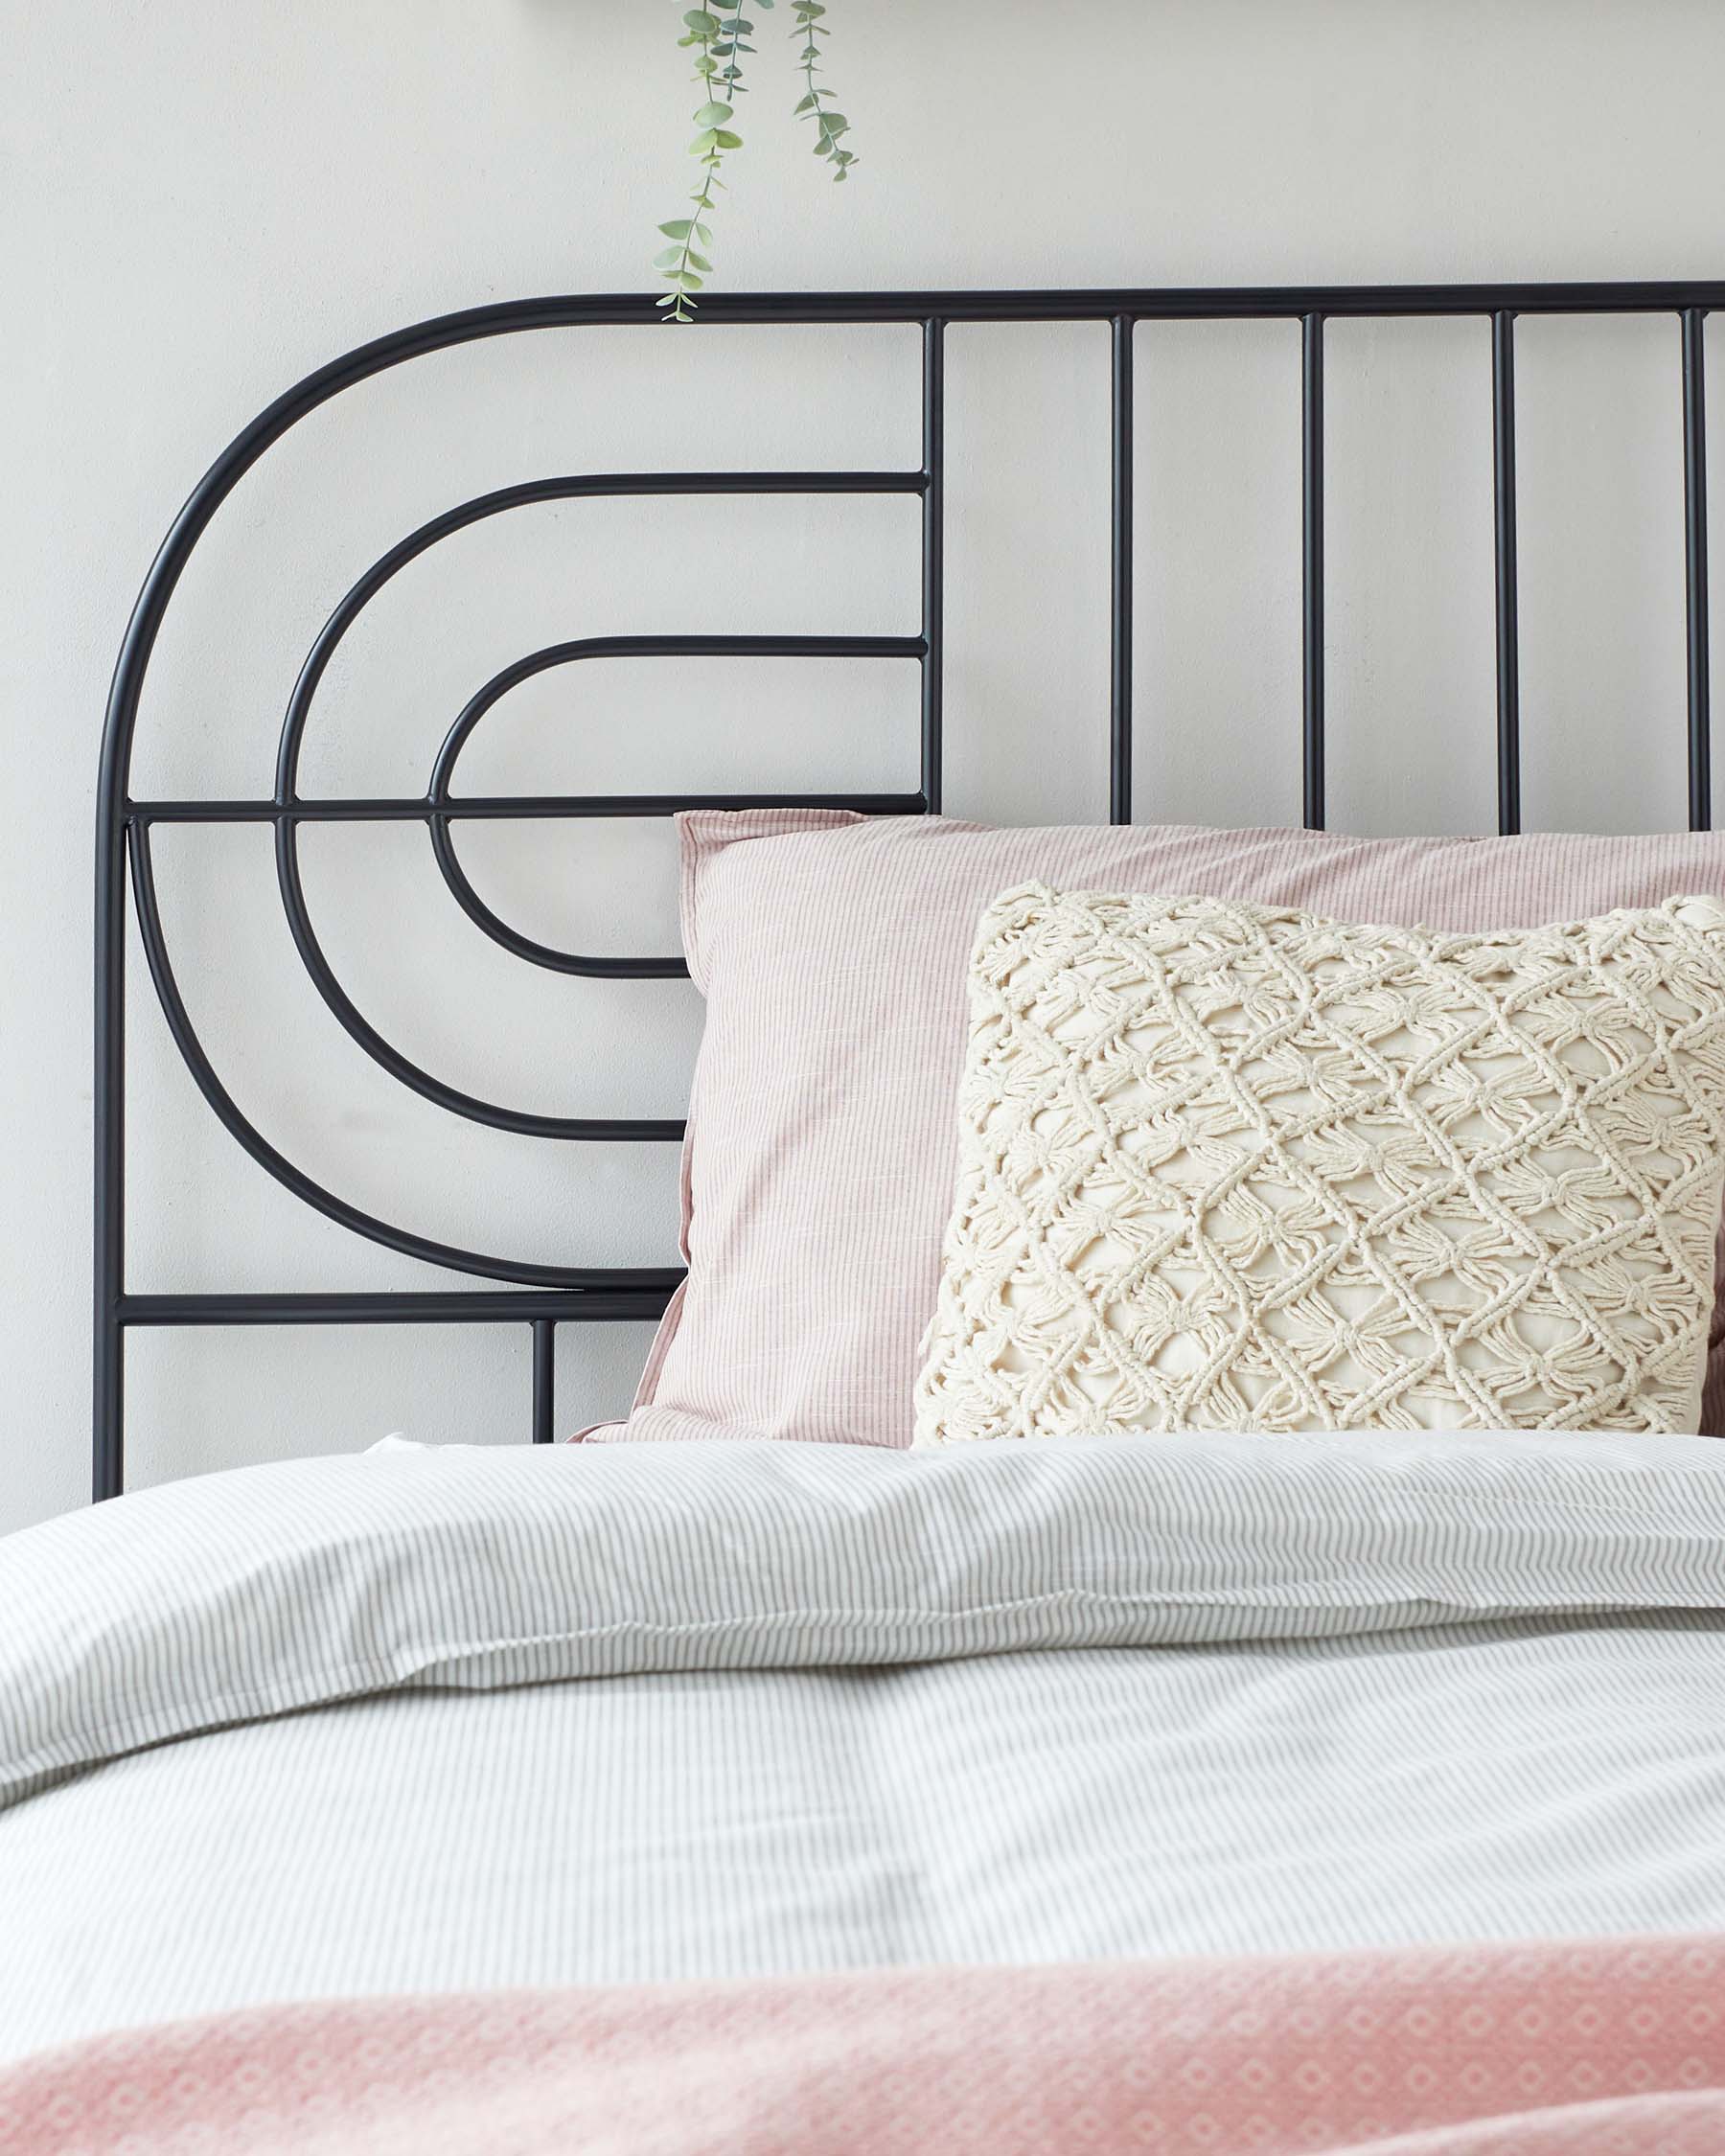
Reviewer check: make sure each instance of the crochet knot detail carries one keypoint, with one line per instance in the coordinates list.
(1225, 1167)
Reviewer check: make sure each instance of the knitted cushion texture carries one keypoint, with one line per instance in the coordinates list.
(1231, 1166)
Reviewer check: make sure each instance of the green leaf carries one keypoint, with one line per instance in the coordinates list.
(719, 31)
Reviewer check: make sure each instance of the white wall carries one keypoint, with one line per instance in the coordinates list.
(202, 201)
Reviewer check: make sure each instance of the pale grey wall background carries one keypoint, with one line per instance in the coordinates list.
(203, 200)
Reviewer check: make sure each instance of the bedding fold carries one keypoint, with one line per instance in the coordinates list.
(264, 1591)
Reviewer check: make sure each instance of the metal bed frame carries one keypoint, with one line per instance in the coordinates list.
(544, 1297)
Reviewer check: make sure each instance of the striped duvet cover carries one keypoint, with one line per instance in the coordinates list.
(447, 1720)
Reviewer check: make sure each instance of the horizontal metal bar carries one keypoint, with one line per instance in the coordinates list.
(1080, 303)
(405, 1307)
(1212, 303)
(522, 807)
(621, 485)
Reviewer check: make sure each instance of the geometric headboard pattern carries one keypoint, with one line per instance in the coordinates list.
(543, 1296)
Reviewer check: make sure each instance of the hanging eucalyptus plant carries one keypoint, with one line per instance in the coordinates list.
(719, 41)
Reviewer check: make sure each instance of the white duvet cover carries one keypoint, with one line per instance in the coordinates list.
(444, 1719)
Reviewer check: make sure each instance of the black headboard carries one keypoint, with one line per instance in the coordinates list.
(544, 1297)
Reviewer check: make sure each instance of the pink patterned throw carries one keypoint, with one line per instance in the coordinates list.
(1604, 2048)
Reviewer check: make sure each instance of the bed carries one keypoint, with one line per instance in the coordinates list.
(1327, 1791)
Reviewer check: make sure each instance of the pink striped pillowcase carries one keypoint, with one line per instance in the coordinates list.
(832, 951)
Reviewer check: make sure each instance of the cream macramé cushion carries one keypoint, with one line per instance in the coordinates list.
(1227, 1166)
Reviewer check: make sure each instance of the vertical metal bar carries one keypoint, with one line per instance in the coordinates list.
(1509, 612)
(1120, 769)
(1312, 468)
(933, 561)
(544, 1379)
(1695, 565)
(107, 1476)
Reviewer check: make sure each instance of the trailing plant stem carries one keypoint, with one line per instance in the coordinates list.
(721, 37)
(829, 126)
(681, 264)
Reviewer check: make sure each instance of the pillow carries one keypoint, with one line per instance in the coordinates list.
(833, 950)
(1233, 1167)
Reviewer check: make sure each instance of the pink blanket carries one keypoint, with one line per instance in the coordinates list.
(1609, 2047)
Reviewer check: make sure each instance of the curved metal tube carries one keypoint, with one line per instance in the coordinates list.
(523, 1122)
(348, 611)
(441, 333)
(295, 1180)
(569, 654)
(580, 486)
(120, 727)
